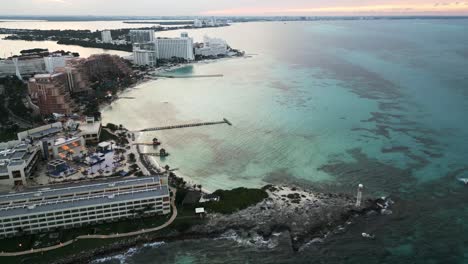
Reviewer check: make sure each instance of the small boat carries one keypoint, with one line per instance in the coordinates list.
(464, 180)
(365, 235)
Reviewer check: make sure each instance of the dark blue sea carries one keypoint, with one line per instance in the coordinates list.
(326, 105)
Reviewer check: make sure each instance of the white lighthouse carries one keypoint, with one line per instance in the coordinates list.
(359, 195)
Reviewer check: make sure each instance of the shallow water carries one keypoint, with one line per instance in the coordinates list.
(326, 105)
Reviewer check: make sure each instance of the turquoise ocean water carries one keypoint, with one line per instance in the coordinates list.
(325, 105)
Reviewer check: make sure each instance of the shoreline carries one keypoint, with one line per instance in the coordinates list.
(326, 214)
(150, 164)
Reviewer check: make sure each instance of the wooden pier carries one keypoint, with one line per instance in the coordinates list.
(188, 76)
(146, 144)
(225, 121)
(155, 155)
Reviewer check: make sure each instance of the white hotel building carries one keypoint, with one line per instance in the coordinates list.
(46, 209)
(168, 48)
(106, 36)
(212, 47)
(147, 53)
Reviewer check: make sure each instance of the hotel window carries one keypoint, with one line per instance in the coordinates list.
(16, 174)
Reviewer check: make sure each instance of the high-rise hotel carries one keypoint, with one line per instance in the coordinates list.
(169, 48)
(148, 52)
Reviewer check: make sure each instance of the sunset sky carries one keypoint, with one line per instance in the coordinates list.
(233, 7)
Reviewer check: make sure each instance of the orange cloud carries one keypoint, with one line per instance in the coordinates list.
(385, 8)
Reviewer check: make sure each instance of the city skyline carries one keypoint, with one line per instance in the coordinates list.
(237, 8)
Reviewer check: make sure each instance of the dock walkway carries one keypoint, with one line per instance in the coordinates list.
(188, 76)
(225, 121)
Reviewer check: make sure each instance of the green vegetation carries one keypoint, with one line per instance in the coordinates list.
(112, 127)
(235, 200)
(12, 106)
(106, 136)
(9, 133)
(93, 44)
(43, 240)
(131, 157)
(15, 91)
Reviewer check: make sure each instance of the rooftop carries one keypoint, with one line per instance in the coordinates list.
(42, 76)
(90, 128)
(101, 200)
(65, 140)
(46, 132)
(75, 188)
(14, 157)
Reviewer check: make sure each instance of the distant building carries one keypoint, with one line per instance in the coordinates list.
(28, 65)
(22, 66)
(53, 62)
(145, 54)
(77, 79)
(90, 129)
(141, 36)
(50, 93)
(106, 36)
(45, 209)
(212, 22)
(17, 162)
(212, 47)
(168, 48)
(198, 23)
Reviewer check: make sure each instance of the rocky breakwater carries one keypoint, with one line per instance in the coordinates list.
(304, 215)
(291, 213)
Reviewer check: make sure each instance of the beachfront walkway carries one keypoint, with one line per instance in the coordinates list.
(140, 232)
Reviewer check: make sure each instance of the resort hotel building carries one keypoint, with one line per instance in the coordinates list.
(106, 36)
(141, 36)
(46, 209)
(211, 47)
(18, 161)
(54, 142)
(147, 53)
(169, 48)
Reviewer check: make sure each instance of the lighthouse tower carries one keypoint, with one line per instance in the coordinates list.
(359, 195)
(18, 74)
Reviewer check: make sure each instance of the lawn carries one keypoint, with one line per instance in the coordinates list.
(235, 200)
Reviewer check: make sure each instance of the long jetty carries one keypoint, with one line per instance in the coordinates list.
(188, 76)
(225, 121)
